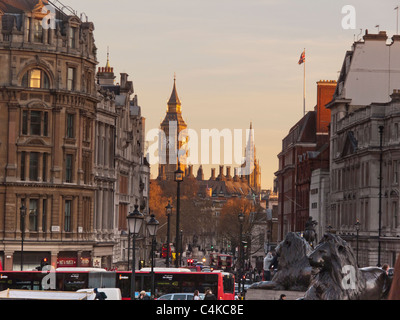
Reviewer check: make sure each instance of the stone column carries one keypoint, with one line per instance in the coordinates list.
(27, 156)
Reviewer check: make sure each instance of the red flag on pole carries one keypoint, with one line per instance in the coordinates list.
(302, 57)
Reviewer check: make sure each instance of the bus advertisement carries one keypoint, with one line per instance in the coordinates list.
(170, 280)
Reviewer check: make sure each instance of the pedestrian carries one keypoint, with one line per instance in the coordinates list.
(99, 295)
(209, 295)
(282, 297)
(267, 265)
(385, 267)
(143, 295)
(196, 295)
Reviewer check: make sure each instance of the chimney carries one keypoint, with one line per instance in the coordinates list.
(236, 177)
(212, 174)
(190, 172)
(124, 79)
(221, 176)
(228, 173)
(200, 174)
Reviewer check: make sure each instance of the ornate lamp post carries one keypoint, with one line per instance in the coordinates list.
(22, 212)
(152, 227)
(168, 212)
(241, 253)
(357, 225)
(178, 177)
(135, 221)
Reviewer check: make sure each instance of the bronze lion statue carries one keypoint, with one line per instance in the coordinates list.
(336, 276)
(294, 270)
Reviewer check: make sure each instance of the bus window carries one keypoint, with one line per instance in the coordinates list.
(75, 281)
(228, 284)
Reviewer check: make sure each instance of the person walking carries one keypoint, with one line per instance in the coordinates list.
(196, 295)
(143, 295)
(385, 267)
(209, 295)
(267, 265)
(99, 295)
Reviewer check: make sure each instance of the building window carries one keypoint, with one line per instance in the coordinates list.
(72, 37)
(34, 166)
(68, 168)
(86, 161)
(33, 215)
(70, 125)
(36, 78)
(314, 205)
(71, 79)
(23, 155)
(44, 215)
(35, 122)
(45, 124)
(44, 167)
(67, 216)
(37, 31)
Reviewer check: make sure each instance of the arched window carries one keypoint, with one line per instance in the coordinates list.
(36, 78)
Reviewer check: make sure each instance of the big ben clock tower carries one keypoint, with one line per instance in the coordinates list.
(172, 125)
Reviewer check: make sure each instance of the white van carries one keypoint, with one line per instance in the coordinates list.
(111, 293)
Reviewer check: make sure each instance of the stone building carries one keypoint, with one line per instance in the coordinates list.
(367, 98)
(304, 149)
(122, 173)
(48, 102)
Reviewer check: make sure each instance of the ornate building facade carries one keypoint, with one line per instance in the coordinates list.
(366, 99)
(122, 174)
(71, 147)
(48, 105)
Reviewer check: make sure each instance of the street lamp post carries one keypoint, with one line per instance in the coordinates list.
(178, 177)
(357, 225)
(152, 227)
(380, 194)
(181, 248)
(135, 221)
(241, 255)
(168, 211)
(22, 212)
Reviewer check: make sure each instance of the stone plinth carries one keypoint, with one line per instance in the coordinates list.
(260, 294)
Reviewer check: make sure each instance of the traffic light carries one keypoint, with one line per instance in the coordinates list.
(44, 262)
(190, 262)
(212, 247)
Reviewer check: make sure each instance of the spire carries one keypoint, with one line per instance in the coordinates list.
(108, 58)
(174, 99)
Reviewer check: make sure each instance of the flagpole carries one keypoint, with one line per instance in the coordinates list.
(304, 86)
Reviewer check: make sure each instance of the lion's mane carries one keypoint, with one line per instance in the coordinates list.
(329, 260)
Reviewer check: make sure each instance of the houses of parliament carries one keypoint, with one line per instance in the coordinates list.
(239, 183)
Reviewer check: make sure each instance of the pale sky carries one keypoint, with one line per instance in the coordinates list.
(236, 61)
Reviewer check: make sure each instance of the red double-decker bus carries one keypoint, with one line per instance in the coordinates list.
(221, 261)
(224, 262)
(167, 280)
